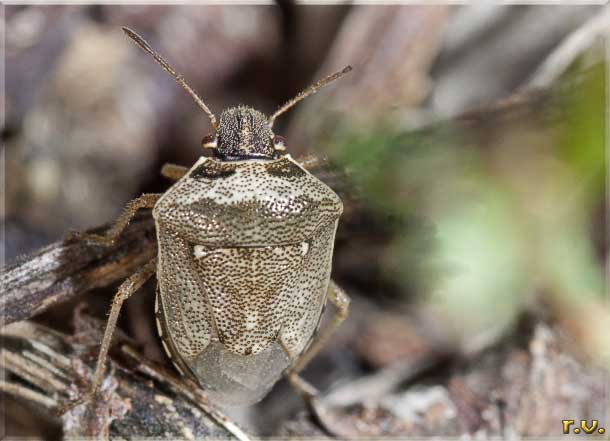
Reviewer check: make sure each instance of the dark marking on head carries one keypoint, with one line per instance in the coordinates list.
(248, 351)
(244, 133)
(284, 169)
(211, 169)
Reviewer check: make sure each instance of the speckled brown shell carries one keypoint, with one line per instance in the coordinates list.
(245, 253)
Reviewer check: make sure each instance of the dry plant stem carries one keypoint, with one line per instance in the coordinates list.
(190, 390)
(66, 269)
(31, 372)
(570, 49)
(499, 393)
(372, 387)
(26, 394)
(50, 368)
(392, 45)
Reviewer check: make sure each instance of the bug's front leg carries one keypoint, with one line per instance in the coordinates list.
(341, 300)
(173, 172)
(145, 201)
(127, 288)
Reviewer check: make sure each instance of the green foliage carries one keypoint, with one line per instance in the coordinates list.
(485, 225)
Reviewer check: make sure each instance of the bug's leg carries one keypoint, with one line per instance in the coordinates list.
(341, 300)
(309, 162)
(145, 201)
(303, 387)
(173, 172)
(127, 288)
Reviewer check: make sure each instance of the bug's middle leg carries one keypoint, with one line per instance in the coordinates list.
(127, 288)
(307, 390)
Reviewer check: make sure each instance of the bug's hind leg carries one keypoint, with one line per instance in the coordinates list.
(324, 414)
(173, 172)
(341, 300)
(302, 386)
(127, 288)
(305, 389)
(147, 200)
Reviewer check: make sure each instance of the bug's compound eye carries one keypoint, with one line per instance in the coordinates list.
(209, 141)
(279, 143)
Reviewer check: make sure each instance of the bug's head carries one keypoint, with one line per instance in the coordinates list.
(242, 133)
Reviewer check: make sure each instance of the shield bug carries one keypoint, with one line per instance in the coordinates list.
(245, 243)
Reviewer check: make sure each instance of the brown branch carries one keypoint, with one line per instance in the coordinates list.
(46, 369)
(497, 394)
(573, 46)
(391, 50)
(66, 269)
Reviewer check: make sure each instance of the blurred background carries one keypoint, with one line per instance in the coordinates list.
(469, 146)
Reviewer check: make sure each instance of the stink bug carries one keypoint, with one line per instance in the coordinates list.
(245, 243)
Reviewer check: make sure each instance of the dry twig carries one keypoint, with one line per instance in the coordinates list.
(66, 269)
(570, 48)
(47, 368)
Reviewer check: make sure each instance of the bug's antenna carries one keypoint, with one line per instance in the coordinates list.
(309, 91)
(179, 78)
